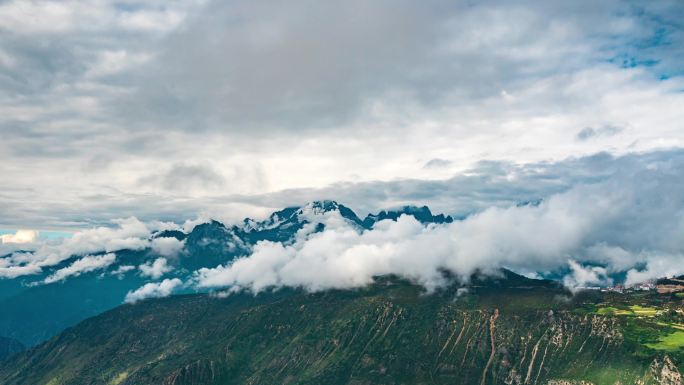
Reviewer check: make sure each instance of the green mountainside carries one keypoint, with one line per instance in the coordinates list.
(512, 331)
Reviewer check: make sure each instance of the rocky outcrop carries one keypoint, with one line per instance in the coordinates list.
(666, 372)
(196, 373)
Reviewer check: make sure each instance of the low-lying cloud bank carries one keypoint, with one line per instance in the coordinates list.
(153, 290)
(84, 265)
(617, 217)
(32, 256)
(632, 222)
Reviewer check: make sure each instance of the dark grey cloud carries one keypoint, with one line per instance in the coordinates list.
(183, 176)
(315, 65)
(308, 64)
(490, 183)
(589, 132)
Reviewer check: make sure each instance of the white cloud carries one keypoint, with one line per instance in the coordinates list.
(123, 269)
(657, 266)
(583, 276)
(607, 227)
(21, 236)
(155, 269)
(84, 265)
(167, 247)
(190, 224)
(14, 271)
(130, 233)
(153, 290)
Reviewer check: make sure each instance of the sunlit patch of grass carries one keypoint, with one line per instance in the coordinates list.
(644, 311)
(672, 325)
(633, 310)
(671, 342)
(679, 295)
(121, 377)
(610, 310)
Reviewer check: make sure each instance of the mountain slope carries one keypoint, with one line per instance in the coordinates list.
(389, 333)
(40, 312)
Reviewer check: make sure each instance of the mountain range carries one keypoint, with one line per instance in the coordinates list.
(496, 327)
(33, 310)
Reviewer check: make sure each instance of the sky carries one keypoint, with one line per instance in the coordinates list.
(172, 110)
(552, 131)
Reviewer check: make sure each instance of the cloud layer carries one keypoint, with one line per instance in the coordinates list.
(586, 220)
(622, 224)
(84, 265)
(130, 233)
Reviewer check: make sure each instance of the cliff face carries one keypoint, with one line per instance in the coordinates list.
(390, 336)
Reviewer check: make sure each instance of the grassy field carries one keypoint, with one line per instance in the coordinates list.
(672, 325)
(652, 326)
(611, 310)
(633, 310)
(670, 342)
(644, 311)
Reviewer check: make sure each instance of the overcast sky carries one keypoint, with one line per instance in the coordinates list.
(175, 109)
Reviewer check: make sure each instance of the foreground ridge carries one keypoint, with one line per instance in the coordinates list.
(388, 333)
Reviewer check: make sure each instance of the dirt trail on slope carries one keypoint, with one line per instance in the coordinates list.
(492, 325)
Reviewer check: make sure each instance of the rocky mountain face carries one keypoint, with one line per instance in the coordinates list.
(213, 243)
(423, 214)
(33, 312)
(514, 332)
